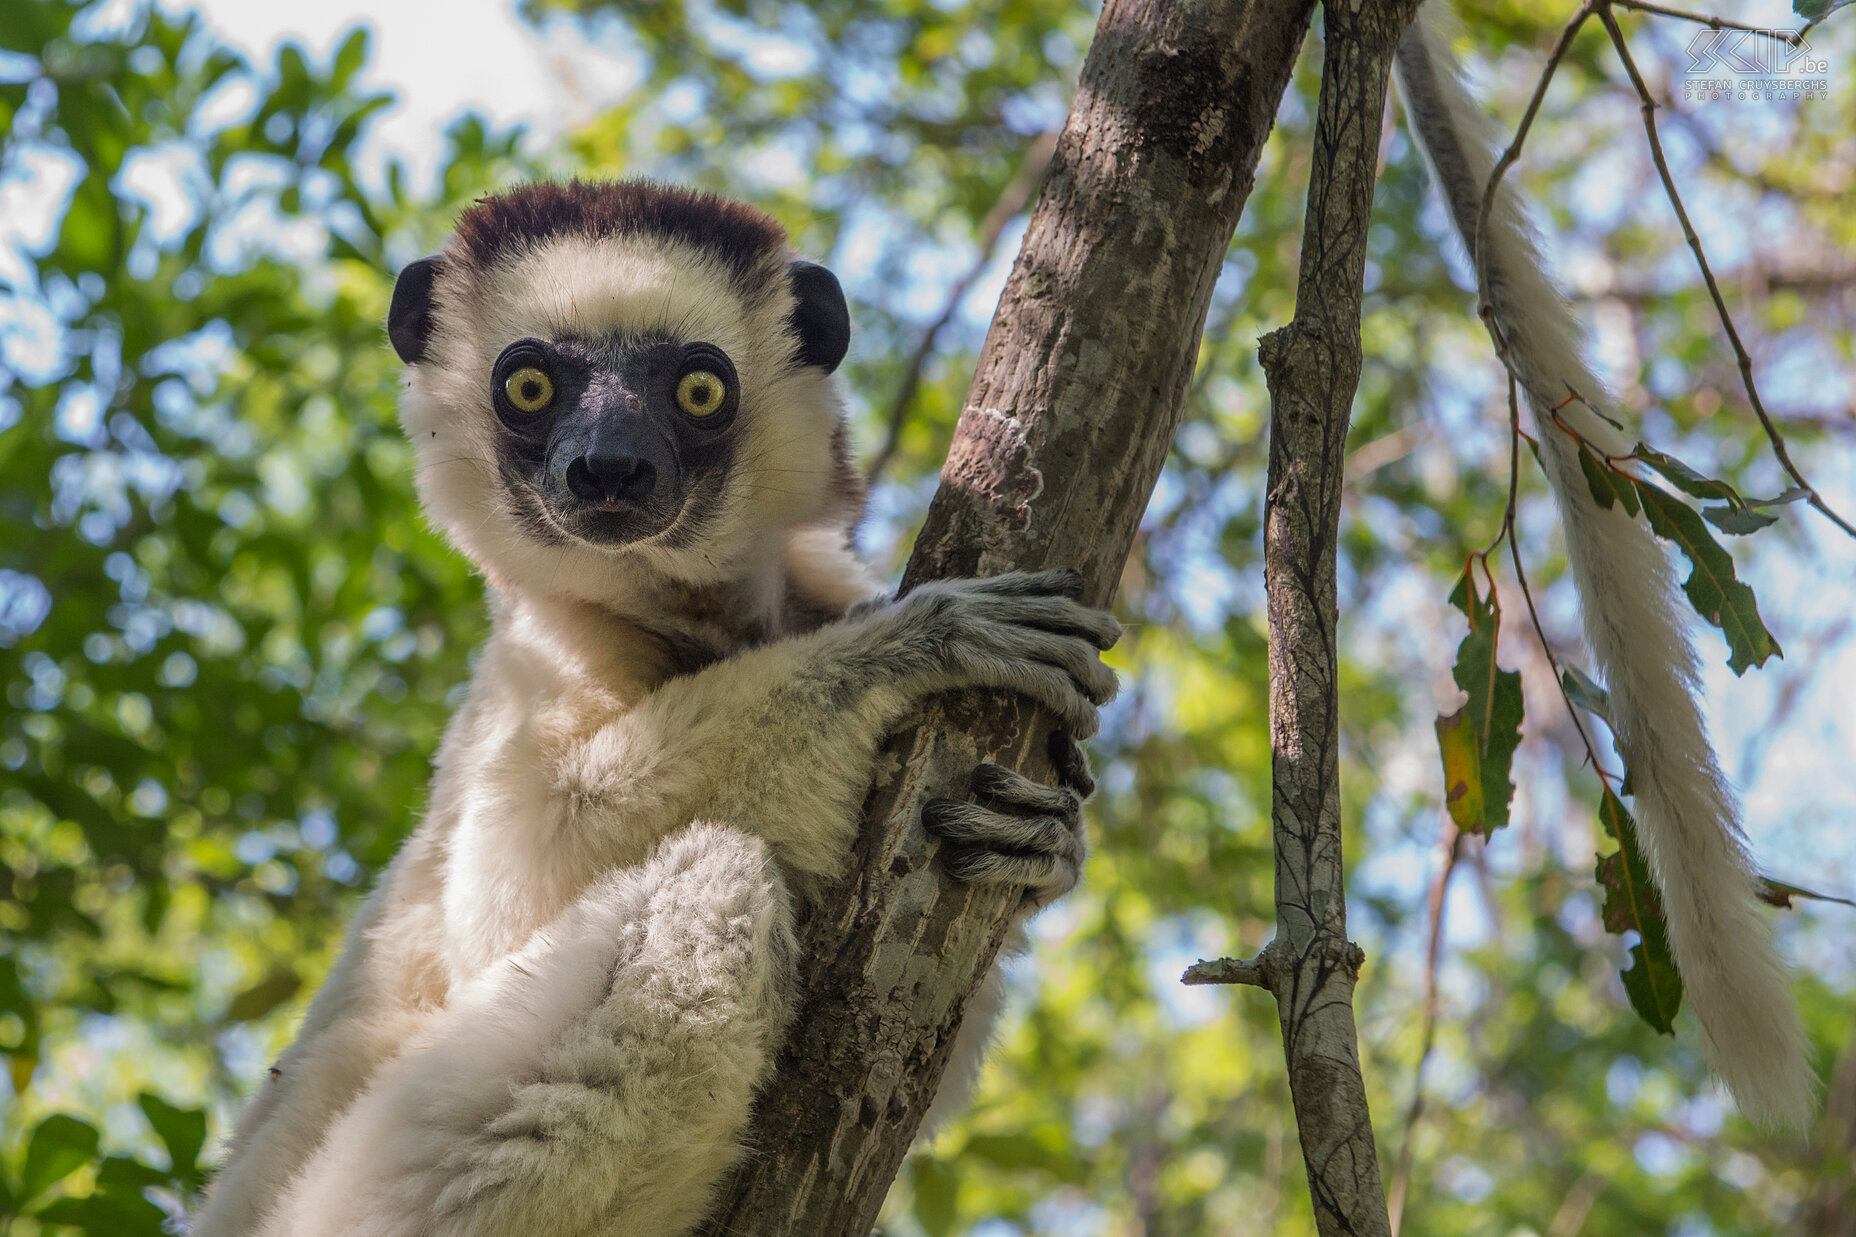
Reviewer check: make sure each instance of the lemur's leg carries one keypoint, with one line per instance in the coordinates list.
(1020, 832)
(358, 1021)
(593, 1083)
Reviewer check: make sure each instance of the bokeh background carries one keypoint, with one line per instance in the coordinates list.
(228, 643)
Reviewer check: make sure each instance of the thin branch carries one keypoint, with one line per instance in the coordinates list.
(1602, 9)
(1252, 971)
(1450, 845)
(1745, 361)
(1507, 160)
(1312, 368)
(1791, 38)
(1012, 200)
(1578, 1204)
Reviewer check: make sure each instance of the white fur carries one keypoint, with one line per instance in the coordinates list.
(1637, 626)
(554, 1010)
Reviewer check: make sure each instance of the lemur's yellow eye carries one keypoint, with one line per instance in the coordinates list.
(701, 393)
(529, 389)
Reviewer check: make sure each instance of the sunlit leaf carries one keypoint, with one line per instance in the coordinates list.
(59, 1146)
(1477, 742)
(182, 1131)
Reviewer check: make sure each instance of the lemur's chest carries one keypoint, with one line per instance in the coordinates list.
(528, 827)
(558, 770)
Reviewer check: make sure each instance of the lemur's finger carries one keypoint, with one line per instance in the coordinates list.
(972, 825)
(1056, 582)
(1070, 764)
(1016, 792)
(1042, 876)
(1059, 616)
(1072, 656)
(1058, 692)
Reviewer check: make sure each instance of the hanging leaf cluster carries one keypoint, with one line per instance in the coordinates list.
(1478, 741)
(1712, 587)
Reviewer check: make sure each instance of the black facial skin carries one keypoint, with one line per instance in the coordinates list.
(612, 459)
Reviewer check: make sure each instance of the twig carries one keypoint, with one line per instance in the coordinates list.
(1508, 157)
(1791, 38)
(1252, 971)
(1648, 106)
(1578, 1204)
(1450, 844)
(1602, 9)
(1012, 200)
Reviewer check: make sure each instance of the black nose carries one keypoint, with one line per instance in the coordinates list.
(600, 478)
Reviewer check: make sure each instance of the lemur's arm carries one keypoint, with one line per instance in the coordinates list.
(781, 738)
(1687, 817)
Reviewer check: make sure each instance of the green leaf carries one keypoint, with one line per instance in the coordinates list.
(264, 996)
(1478, 741)
(108, 1213)
(1746, 518)
(59, 1147)
(1631, 905)
(349, 58)
(937, 1191)
(1026, 1150)
(1780, 894)
(1738, 520)
(1585, 693)
(1711, 585)
(1814, 11)
(1463, 789)
(1794, 495)
(120, 1173)
(1683, 477)
(1607, 484)
(182, 1131)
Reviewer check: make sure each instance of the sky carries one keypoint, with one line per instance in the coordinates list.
(478, 56)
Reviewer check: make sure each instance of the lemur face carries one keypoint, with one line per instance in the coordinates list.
(608, 376)
(617, 438)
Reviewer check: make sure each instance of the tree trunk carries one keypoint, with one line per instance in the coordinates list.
(1067, 423)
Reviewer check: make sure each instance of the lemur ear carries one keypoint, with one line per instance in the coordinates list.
(820, 318)
(409, 318)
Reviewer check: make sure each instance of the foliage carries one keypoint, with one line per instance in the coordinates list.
(228, 644)
(1479, 739)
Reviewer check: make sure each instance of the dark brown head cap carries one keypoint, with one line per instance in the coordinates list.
(741, 236)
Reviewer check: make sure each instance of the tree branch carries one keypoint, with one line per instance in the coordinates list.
(1012, 200)
(1313, 368)
(1067, 423)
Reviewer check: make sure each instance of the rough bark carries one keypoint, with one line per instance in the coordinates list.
(1067, 423)
(1313, 367)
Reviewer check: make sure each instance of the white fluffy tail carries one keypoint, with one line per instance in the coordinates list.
(1688, 819)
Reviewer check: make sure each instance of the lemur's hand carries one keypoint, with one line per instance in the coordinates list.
(1020, 832)
(1022, 632)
